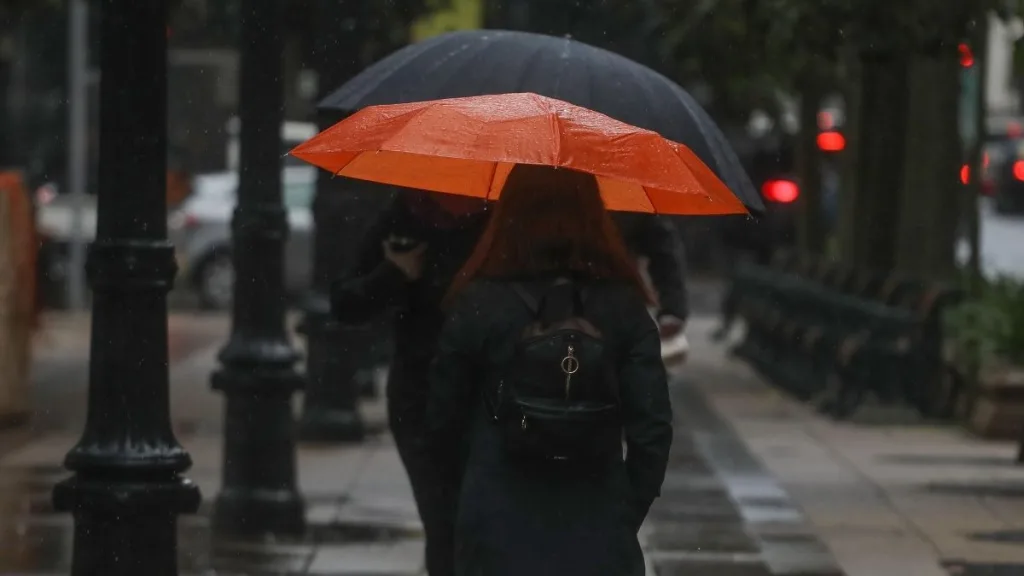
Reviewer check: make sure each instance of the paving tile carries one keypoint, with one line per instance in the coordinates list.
(718, 564)
(669, 536)
(769, 514)
(721, 513)
(390, 559)
(965, 568)
(799, 556)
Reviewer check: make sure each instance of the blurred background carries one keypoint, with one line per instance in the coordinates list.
(777, 77)
(886, 138)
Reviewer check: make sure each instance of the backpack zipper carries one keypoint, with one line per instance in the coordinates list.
(570, 364)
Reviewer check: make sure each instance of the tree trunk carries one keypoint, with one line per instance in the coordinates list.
(929, 202)
(810, 228)
(846, 227)
(868, 230)
(971, 216)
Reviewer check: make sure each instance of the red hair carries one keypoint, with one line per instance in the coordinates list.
(549, 221)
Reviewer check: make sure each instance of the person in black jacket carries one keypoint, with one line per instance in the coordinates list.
(520, 516)
(406, 262)
(658, 239)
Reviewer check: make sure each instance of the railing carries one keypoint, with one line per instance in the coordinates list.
(836, 336)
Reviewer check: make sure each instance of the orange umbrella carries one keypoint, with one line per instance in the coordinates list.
(468, 146)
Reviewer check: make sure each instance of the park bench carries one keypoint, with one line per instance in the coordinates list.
(818, 333)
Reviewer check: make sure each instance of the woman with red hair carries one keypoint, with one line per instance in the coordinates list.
(545, 488)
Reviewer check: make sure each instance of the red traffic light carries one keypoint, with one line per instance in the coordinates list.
(781, 191)
(966, 56)
(831, 141)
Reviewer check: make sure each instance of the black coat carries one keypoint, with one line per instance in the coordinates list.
(657, 238)
(519, 521)
(375, 285)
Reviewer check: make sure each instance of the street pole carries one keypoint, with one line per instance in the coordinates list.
(257, 375)
(127, 489)
(335, 353)
(78, 128)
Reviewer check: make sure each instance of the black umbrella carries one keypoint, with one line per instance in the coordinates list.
(479, 62)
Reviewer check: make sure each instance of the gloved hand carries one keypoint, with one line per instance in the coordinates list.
(670, 326)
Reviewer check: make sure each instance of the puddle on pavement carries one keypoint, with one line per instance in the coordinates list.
(36, 539)
(723, 566)
(339, 533)
(694, 505)
(999, 537)
(1008, 489)
(950, 460)
(956, 568)
(688, 482)
(35, 546)
(765, 502)
(704, 536)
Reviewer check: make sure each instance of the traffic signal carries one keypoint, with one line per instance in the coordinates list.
(831, 141)
(966, 56)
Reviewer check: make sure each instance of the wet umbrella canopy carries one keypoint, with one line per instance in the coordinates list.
(468, 146)
(480, 62)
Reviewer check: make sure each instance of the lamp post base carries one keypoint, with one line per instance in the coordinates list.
(330, 411)
(260, 493)
(254, 513)
(128, 526)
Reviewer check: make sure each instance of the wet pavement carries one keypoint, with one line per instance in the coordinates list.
(360, 515)
(719, 514)
(61, 359)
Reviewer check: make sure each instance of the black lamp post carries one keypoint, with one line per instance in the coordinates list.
(259, 494)
(335, 353)
(127, 491)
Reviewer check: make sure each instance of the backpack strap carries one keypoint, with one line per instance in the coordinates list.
(531, 303)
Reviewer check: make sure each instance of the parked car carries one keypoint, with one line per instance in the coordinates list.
(201, 232)
(200, 229)
(1006, 173)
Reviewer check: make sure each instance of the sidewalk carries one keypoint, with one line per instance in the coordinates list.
(902, 501)
(360, 512)
(711, 519)
(757, 485)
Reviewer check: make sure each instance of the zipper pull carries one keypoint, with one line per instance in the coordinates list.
(569, 367)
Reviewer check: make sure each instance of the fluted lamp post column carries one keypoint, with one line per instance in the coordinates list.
(257, 376)
(127, 489)
(335, 352)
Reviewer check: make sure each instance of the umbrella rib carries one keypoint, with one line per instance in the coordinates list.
(494, 174)
(647, 194)
(641, 81)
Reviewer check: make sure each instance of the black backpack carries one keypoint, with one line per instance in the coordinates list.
(558, 400)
